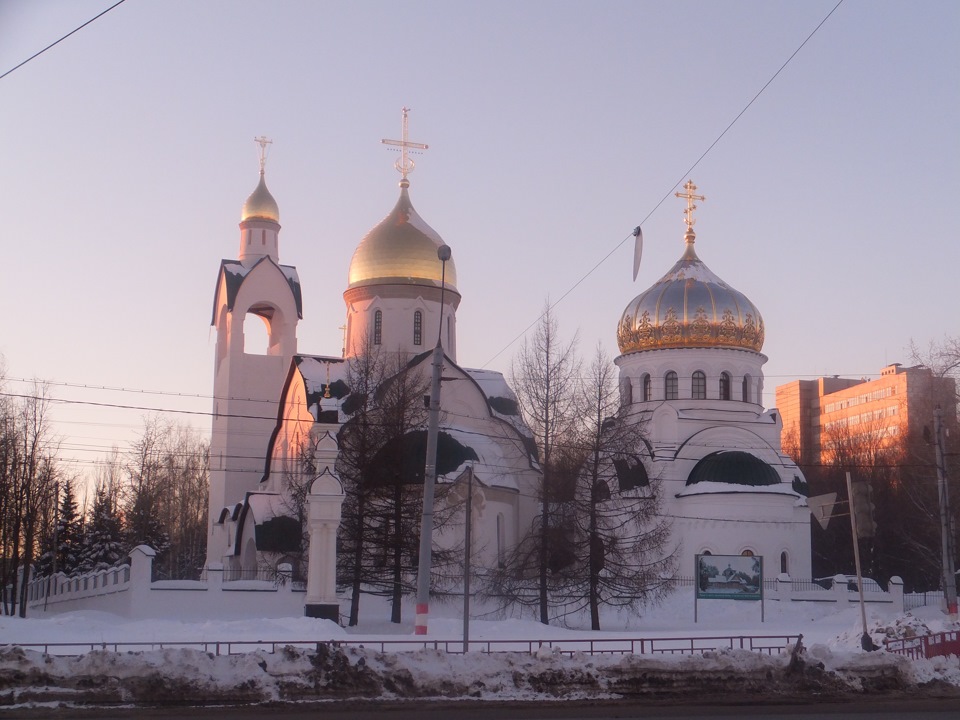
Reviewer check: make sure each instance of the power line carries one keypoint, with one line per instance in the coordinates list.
(672, 188)
(38, 54)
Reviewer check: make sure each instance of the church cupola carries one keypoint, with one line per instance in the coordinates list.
(395, 278)
(260, 219)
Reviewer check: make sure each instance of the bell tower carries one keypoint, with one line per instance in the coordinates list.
(253, 294)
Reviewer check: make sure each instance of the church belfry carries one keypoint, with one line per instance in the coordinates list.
(248, 379)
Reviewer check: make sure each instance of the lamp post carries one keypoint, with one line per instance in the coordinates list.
(430, 468)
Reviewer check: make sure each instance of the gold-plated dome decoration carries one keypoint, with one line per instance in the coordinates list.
(690, 306)
(261, 205)
(402, 249)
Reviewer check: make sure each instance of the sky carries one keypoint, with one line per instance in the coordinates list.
(554, 128)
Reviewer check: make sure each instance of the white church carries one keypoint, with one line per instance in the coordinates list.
(690, 368)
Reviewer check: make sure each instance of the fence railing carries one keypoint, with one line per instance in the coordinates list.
(926, 646)
(764, 644)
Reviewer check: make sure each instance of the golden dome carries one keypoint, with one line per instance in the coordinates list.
(690, 307)
(260, 205)
(402, 249)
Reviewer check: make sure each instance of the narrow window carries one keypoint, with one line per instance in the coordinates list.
(784, 565)
(263, 237)
(671, 386)
(449, 332)
(501, 550)
(746, 388)
(647, 390)
(377, 327)
(418, 328)
(724, 386)
(699, 385)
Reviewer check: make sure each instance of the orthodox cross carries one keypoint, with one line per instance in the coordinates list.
(690, 197)
(404, 165)
(343, 351)
(262, 141)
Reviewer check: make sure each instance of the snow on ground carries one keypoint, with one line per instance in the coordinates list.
(831, 636)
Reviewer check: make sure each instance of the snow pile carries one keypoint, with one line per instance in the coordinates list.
(323, 667)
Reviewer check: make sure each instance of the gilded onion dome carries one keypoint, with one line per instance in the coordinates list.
(260, 205)
(690, 307)
(402, 249)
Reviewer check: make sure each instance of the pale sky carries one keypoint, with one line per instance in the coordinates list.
(554, 129)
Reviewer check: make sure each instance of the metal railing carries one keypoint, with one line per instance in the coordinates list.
(926, 646)
(765, 644)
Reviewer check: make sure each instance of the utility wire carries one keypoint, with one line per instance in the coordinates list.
(672, 188)
(38, 54)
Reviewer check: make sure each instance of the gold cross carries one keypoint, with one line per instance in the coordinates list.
(262, 141)
(404, 165)
(690, 197)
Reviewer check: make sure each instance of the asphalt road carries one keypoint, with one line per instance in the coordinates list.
(857, 708)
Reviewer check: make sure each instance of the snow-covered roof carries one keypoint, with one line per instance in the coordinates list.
(317, 371)
(234, 273)
(722, 488)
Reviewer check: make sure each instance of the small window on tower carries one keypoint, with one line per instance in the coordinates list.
(724, 386)
(378, 327)
(647, 389)
(263, 237)
(699, 385)
(418, 328)
(671, 386)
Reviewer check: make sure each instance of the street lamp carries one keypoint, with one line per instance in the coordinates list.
(430, 469)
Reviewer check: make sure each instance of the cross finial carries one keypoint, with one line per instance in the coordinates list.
(404, 165)
(262, 141)
(690, 197)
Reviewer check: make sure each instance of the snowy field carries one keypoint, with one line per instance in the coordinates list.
(834, 661)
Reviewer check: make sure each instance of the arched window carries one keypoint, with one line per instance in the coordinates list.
(699, 385)
(647, 389)
(706, 552)
(747, 553)
(501, 537)
(746, 388)
(378, 327)
(784, 562)
(724, 386)
(418, 328)
(670, 385)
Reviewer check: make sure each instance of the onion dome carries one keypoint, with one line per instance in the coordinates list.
(690, 307)
(402, 249)
(260, 205)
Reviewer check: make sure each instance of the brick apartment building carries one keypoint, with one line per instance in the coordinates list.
(897, 405)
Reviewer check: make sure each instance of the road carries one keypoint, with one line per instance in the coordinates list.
(856, 709)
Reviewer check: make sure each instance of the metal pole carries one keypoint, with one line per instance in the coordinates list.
(946, 537)
(466, 562)
(865, 641)
(430, 468)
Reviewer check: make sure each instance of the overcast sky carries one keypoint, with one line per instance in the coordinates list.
(554, 129)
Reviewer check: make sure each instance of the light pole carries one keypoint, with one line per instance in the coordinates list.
(430, 468)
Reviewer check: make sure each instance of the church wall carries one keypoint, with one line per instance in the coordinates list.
(397, 304)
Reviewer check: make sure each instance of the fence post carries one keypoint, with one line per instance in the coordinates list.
(895, 588)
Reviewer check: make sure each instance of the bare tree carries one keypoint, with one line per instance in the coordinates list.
(545, 376)
(28, 475)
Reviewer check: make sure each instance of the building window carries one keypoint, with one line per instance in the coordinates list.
(378, 327)
(671, 386)
(418, 328)
(449, 332)
(747, 553)
(746, 388)
(724, 386)
(501, 541)
(784, 564)
(647, 389)
(699, 385)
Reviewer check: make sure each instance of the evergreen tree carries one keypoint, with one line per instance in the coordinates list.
(67, 536)
(103, 544)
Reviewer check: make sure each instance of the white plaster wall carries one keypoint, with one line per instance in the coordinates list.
(397, 327)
